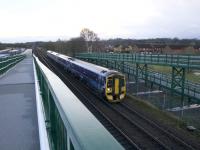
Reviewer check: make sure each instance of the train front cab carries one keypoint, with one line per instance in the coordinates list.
(115, 88)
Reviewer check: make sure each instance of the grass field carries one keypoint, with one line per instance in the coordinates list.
(163, 69)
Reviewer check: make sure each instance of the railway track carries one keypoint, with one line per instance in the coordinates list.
(166, 139)
(126, 142)
(154, 129)
(130, 128)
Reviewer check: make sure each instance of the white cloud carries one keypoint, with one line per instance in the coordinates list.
(108, 18)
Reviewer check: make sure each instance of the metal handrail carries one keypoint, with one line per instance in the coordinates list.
(44, 143)
(8, 62)
(8, 59)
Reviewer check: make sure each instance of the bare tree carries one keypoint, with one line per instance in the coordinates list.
(90, 37)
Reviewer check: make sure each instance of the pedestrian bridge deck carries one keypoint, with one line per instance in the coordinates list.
(18, 115)
(184, 61)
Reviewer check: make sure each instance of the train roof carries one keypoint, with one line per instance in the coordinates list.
(89, 66)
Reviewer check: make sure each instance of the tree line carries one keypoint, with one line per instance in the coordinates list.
(88, 41)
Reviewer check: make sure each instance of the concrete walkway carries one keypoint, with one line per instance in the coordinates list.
(18, 114)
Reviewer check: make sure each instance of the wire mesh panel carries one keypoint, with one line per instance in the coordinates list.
(8, 62)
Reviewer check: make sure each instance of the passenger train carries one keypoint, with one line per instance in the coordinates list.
(109, 83)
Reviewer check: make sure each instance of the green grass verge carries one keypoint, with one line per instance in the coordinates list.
(164, 69)
(163, 116)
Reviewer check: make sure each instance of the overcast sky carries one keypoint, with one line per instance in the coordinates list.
(29, 20)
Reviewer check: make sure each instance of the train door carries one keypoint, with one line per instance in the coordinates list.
(113, 87)
(116, 86)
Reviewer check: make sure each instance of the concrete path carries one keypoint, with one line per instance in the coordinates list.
(18, 114)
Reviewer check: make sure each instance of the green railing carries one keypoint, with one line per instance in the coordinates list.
(184, 61)
(70, 125)
(191, 90)
(8, 62)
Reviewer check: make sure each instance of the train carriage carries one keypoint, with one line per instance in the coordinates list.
(111, 84)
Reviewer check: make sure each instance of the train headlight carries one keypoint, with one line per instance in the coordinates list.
(123, 88)
(109, 89)
(121, 96)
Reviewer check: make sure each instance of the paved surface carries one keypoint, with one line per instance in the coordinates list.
(18, 115)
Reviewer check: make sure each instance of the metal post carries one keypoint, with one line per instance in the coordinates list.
(178, 81)
(183, 86)
(122, 66)
(142, 69)
(136, 77)
(107, 63)
(146, 75)
(189, 101)
(151, 85)
(164, 99)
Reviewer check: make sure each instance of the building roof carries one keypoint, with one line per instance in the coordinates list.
(144, 45)
(178, 46)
